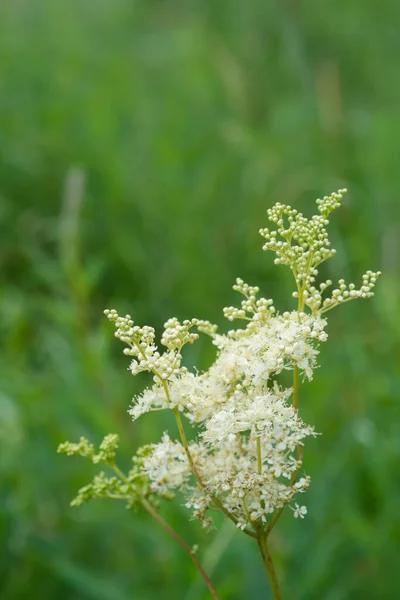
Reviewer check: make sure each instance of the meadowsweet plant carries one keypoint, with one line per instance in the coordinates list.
(246, 458)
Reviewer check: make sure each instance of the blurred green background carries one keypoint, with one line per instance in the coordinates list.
(141, 143)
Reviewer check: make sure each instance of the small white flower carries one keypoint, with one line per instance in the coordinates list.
(299, 511)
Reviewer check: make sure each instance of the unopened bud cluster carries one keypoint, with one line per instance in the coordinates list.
(303, 244)
(251, 308)
(141, 343)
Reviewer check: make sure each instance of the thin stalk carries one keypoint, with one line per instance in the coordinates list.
(246, 509)
(120, 474)
(296, 386)
(169, 529)
(259, 456)
(269, 565)
(239, 441)
(260, 465)
(183, 545)
(301, 300)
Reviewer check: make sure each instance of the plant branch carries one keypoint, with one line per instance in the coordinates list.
(259, 456)
(296, 388)
(193, 467)
(149, 508)
(185, 444)
(269, 565)
(296, 385)
(183, 545)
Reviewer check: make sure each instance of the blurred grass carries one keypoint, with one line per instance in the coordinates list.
(140, 145)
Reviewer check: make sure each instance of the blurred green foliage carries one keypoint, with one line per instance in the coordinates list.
(140, 145)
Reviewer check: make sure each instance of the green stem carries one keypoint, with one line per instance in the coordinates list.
(169, 529)
(296, 388)
(120, 474)
(259, 457)
(183, 545)
(246, 509)
(269, 565)
(301, 300)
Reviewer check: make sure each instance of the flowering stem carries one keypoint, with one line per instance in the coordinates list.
(183, 545)
(194, 470)
(196, 474)
(259, 457)
(120, 474)
(190, 458)
(269, 565)
(296, 388)
(296, 385)
(171, 532)
(299, 447)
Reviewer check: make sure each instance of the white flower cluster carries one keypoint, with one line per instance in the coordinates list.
(166, 466)
(248, 431)
(247, 457)
(246, 362)
(239, 406)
